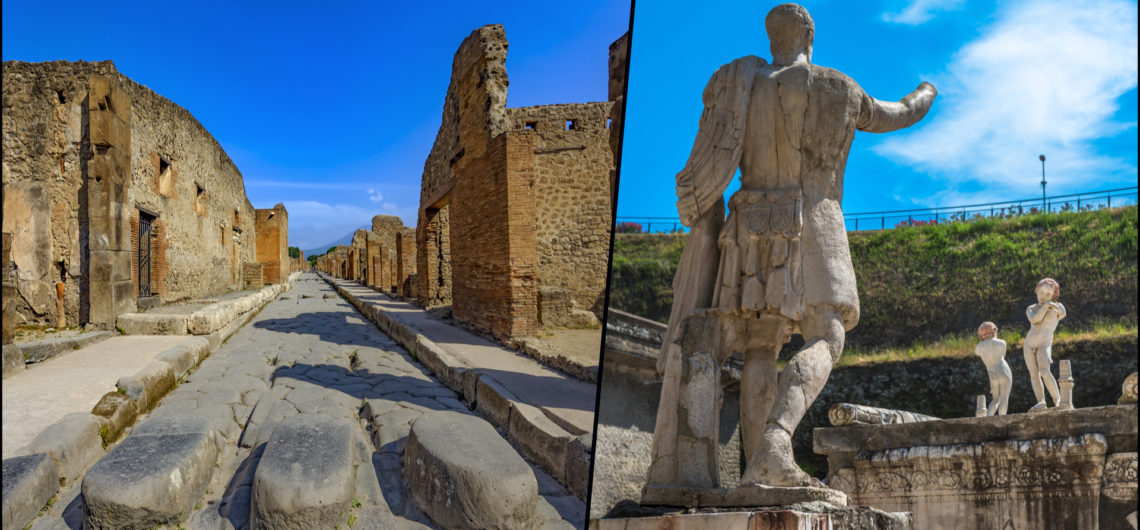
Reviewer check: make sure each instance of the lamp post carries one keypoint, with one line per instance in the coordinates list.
(1043, 204)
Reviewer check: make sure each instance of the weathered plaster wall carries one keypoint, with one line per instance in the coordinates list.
(177, 171)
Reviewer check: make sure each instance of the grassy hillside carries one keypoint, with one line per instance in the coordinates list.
(919, 285)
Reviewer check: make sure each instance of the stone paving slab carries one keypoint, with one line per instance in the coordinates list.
(72, 382)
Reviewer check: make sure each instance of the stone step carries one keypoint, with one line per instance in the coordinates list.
(305, 478)
(462, 474)
(154, 477)
(29, 482)
(153, 323)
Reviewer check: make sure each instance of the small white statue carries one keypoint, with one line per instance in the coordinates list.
(1043, 319)
(992, 351)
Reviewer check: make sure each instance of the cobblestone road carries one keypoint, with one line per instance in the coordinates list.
(310, 352)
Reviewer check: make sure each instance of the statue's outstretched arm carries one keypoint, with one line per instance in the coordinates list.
(886, 116)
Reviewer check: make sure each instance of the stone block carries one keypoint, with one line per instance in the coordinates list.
(29, 482)
(148, 385)
(13, 359)
(462, 474)
(153, 323)
(211, 318)
(493, 400)
(543, 440)
(305, 478)
(42, 350)
(185, 355)
(111, 265)
(116, 411)
(154, 477)
(73, 444)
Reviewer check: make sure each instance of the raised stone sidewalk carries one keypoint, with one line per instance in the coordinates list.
(546, 413)
(76, 401)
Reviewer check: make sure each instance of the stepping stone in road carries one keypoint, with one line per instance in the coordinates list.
(305, 478)
(29, 481)
(462, 474)
(153, 477)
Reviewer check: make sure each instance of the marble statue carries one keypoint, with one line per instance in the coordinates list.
(778, 264)
(992, 351)
(1043, 319)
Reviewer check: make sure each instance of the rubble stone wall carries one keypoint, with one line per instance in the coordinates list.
(177, 172)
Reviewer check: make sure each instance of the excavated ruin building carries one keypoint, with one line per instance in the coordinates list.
(515, 203)
(116, 198)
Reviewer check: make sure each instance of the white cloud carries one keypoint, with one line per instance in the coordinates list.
(374, 196)
(1045, 77)
(920, 11)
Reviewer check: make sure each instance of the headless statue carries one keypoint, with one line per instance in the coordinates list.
(778, 264)
(992, 351)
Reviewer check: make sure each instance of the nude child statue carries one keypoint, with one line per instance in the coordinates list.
(992, 351)
(1043, 319)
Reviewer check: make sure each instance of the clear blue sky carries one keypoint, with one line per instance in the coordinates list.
(1016, 79)
(328, 107)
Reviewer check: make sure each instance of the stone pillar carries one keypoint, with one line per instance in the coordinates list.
(110, 290)
(371, 250)
(376, 266)
(271, 238)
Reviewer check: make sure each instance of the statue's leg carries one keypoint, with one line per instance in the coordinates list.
(1003, 401)
(772, 463)
(1045, 365)
(1034, 377)
(758, 379)
(995, 397)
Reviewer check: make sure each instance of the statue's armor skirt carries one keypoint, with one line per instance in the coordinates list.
(760, 254)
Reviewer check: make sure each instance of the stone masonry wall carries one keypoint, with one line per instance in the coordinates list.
(272, 234)
(177, 172)
(405, 260)
(573, 162)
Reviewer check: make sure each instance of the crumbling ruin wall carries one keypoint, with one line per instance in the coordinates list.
(474, 111)
(386, 228)
(573, 162)
(160, 162)
(405, 261)
(272, 230)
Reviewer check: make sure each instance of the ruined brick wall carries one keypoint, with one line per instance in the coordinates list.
(619, 72)
(176, 170)
(405, 261)
(493, 248)
(359, 250)
(272, 235)
(386, 228)
(371, 250)
(474, 112)
(573, 163)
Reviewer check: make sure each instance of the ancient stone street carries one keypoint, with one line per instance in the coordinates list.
(300, 420)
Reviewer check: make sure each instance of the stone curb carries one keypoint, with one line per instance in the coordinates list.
(30, 481)
(73, 443)
(559, 452)
(208, 320)
(43, 350)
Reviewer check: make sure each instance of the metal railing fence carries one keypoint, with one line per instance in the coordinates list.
(880, 220)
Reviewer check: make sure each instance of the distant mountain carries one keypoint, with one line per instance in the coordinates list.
(318, 251)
